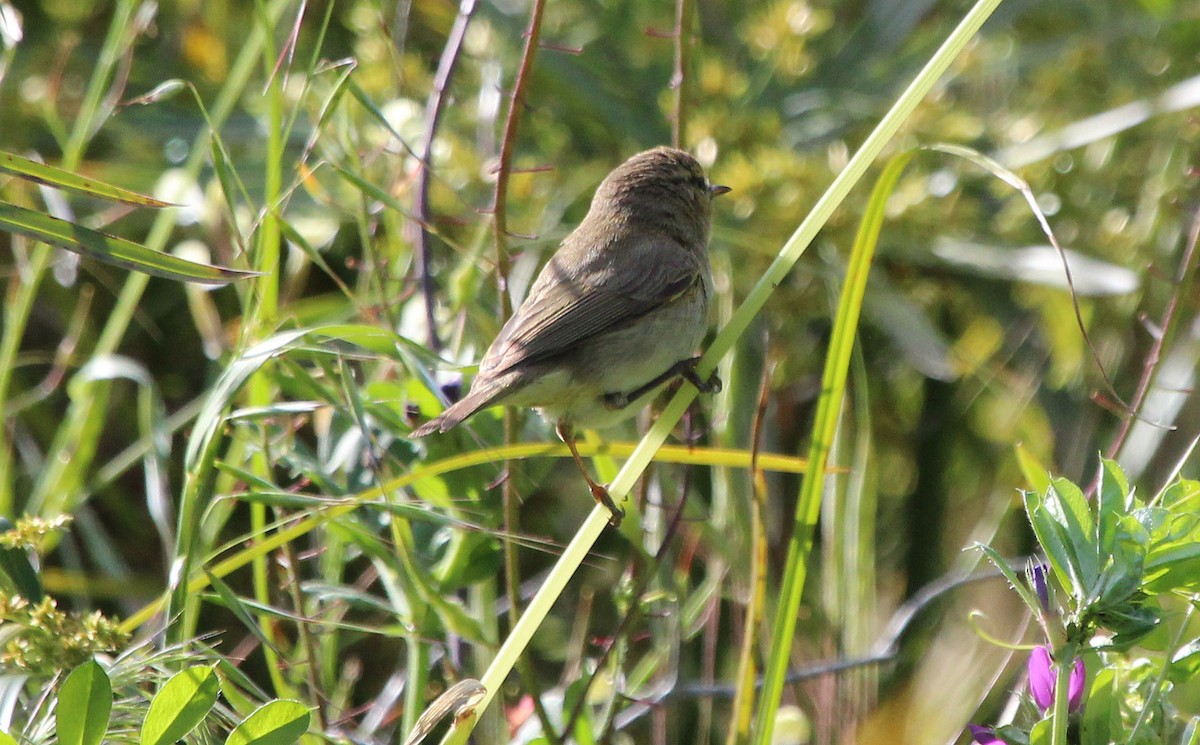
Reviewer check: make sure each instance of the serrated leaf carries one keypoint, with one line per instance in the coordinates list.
(180, 705)
(1129, 623)
(1022, 588)
(84, 705)
(111, 249)
(1182, 496)
(1070, 508)
(40, 173)
(275, 723)
(1052, 537)
(1124, 574)
(1111, 503)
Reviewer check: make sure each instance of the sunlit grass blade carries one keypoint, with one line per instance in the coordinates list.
(825, 425)
(110, 249)
(40, 173)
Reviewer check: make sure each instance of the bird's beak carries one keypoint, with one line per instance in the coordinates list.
(717, 190)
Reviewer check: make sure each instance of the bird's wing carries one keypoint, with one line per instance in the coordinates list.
(572, 301)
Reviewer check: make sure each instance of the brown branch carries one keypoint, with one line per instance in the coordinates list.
(504, 164)
(433, 115)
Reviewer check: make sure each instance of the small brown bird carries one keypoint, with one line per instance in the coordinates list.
(615, 314)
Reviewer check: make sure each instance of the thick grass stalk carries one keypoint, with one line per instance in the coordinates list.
(198, 480)
(260, 322)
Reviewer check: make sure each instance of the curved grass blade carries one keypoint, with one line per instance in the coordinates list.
(40, 173)
(111, 249)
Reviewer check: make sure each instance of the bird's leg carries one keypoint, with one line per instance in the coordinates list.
(685, 369)
(567, 434)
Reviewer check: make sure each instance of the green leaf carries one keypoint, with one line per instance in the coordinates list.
(180, 705)
(1130, 623)
(1022, 588)
(1012, 735)
(276, 723)
(84, 704)
(1174, 567)
(234, 687)
(239, 609)
(320, 340)
(1102, 713)
(582, 733)
(1052, 537)
(31, 170)
(1182, 496)
(111, 249)
(1032, 469)
(1071, 509)
(7, 739)
(1185, 662)
(1040, 733)
(469, 559)
(1111, 503)
(14, 564)
(1124, 574)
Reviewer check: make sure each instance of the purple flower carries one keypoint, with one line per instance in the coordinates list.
(1038, 574)
(984, 735)
(1042, 680)
(1075, 685)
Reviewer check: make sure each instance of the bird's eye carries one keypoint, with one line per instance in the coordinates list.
(700, 183)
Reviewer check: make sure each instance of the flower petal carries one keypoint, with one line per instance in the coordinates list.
(1076, 684)
(1041, 678)
(984, 735)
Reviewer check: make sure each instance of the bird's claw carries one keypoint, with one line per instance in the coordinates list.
(601, 495)
(688, 373)
(616, 401)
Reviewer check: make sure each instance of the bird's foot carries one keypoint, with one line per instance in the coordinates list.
(616, 400)
(687, 371)
(601, 495)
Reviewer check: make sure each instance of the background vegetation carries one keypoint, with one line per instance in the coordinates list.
(246, 431)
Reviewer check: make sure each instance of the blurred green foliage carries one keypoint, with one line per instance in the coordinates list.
(969, 345)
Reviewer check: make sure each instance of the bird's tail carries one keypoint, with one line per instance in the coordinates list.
(479, 398)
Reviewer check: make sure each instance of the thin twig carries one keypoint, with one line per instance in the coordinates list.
(510, 498)
(1160, 336)
(883, 651)
(504, 159)
(683, 57)
(433, 115)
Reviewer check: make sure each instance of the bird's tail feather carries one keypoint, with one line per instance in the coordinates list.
(458, 411)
